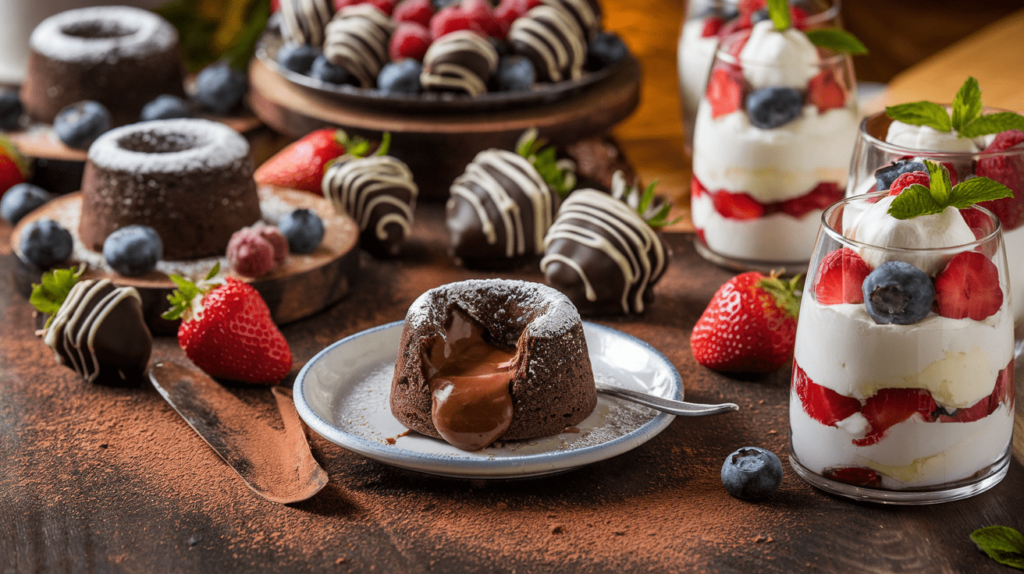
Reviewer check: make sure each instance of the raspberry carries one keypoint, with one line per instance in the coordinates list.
(385, 6)
(908, 179)
(1009, 171)
(250, 254)
(276, 239)
(419, 11)
(510, 10)
(481, 18)
(448, 20)
(798, 17)
(410, 40)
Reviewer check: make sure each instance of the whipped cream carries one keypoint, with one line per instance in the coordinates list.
(778, 59)
(791, 238)
(926, 138)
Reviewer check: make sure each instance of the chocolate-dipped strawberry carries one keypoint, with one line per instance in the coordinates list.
(552, 39)
(303, 21)
(587, 14)
(379, 193)
(95, 328)
(357, 41)
(603, 251)
(461, 61)
(502, 206)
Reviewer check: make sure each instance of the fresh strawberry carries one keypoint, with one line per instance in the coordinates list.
(1009, 171)
(889, 407)
(908, 179)
(968, 287)
(840, 278)
(13, 166)
(822, 403)
(737, 205)
(697, 188)
(825, 92)
(385, 6)
(1002, 393)
(418, 11)
(748, 7)
(700, 235)
(226, 330)
(855, 475)
(712, 26)
(482, 18)
(410, 40)
(724, 92)
(448, 20)
(733, 43)
(823, 195)
(749, 326)
(301, 164)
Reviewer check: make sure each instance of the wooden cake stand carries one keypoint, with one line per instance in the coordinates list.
(437, 147)
(300, 287)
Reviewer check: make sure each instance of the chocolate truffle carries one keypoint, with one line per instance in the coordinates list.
(303, 21)
(499, 210)
(379, 193)
(461, 61)
(550, 37)
(357, 41)
(523, 340)
(99, 332)
(603, 255)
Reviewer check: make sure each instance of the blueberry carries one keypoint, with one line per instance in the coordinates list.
(402, 77)
(44, 243)
(751, 473)
(515, 73)
(22, 199)
(888, 174)
(79, 124)
(297, 57)
(303, 229)
(759, 15)
(604, 50)
(328, 72)
(165, 107)
(133, 250)
(439, 4)
(773, 107)
(10, 109)
(899, 293)
(219, 87)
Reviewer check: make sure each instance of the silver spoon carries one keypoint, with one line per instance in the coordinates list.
(669, 406)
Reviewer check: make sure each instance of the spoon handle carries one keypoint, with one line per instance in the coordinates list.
(669, 406)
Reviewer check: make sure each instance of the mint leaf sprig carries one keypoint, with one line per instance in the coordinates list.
(560, 175)
(1002, 544)
(833, 39)
(48, 295)
(964, 117)
(918, 200)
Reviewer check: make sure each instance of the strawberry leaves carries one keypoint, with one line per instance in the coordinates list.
(182, 297)
(50, 294)
(560, 175)
(648, 206)
(965, 117)
(918, 200)
(1002, 544)
(785, 293)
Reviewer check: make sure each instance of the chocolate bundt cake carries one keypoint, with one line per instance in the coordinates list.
(487, 360)
(119, 56)
(189, 179)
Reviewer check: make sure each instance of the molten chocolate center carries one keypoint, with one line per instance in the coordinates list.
(469, 381)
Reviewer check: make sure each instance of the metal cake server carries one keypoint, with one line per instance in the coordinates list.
(679, 408)
(276, 465)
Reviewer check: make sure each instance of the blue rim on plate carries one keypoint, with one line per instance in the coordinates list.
(477, 465)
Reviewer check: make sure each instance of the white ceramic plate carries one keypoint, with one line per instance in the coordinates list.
(342, 394)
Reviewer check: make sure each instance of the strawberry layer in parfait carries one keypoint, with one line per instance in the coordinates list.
(970, 140)
(902, 388)
(774, 135)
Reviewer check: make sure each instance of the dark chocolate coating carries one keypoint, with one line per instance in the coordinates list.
(561, 25)
(553, 386)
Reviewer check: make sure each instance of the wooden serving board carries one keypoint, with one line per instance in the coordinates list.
(437, 147)
(300, 287)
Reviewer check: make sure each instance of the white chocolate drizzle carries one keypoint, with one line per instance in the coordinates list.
(357, 40)
(305, 20)
(441, 72)
(359, 186)
(553, 35)
(583, 11)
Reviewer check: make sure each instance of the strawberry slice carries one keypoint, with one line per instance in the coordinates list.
(1002, 393)
(823, 195)
(855, 475)
(711, 27)
(822, 403)
(840, 278)
(889, 407)
(908, 179)
(825, 92)
(1009, 171)
(724, 93)
(697, 189)
(737, 205)
(968, 287)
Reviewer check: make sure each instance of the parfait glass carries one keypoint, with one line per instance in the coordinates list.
(699, 39)
(873, 153)
(915, 413)
(759, 187)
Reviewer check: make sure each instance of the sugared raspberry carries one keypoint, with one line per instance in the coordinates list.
(410, 40)
(448, 20)
(419, 11)
(511, 10)
(276, 239)
(908, 179)
(249, 254)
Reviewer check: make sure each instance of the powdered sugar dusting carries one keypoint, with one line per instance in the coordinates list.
(169, 146)
(103, 33)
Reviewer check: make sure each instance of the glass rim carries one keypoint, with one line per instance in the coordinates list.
(907, 151)
(828, 59)
(816, 18)
(953, 249)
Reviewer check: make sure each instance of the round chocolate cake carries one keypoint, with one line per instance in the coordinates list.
(521, 343)
(189, 179)
(551, 38)
(303, 21)
(357, 40)
(461, 61)
(119, 56)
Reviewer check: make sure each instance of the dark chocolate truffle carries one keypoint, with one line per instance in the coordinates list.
(303, 21)
(462, 61)
(603, 255)
(499, 210)
(99, 332)
(550, 37)
(379, 193)
(357, 41)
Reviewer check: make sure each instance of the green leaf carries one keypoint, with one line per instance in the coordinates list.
(50, 293)
(211, 30)
(385, 144)
(966, 104)
(778, 11)
(182, 297)
(837, 40)
(785, 294)
(977, 190)
(993, 124)
(921, 114)
(939, 183)
(213, 271)
(559, 175)
(914, 201)
(1002, 544)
